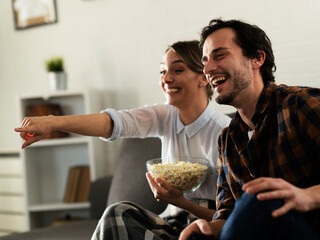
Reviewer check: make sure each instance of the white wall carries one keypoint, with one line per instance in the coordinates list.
(117, 45)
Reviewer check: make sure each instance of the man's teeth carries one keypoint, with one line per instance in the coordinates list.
(218, 80)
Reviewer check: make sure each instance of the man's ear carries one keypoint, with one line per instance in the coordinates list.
(258, 62)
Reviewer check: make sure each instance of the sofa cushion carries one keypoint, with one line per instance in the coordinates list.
(129, 181)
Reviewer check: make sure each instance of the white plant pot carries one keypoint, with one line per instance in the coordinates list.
(57, 81)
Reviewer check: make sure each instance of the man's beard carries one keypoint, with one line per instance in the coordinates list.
(241, 80)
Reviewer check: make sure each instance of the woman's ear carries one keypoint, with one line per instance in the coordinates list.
(258, 62)
(203, 81)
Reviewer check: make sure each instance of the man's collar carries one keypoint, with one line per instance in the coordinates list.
(263, 101)
(261, 107)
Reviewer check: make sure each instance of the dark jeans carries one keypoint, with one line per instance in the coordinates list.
(251, 220)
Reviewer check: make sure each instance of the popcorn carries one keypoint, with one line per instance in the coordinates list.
(185, 176)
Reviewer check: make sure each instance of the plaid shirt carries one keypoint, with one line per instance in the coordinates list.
(285, 144)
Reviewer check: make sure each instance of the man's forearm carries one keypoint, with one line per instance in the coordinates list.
(314, 196)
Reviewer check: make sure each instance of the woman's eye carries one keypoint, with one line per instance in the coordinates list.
(162, 72)
(178, 70)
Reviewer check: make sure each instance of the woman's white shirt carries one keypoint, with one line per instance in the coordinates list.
(198, 139)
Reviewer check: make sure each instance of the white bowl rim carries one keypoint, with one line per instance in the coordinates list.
(186, 159)
(206, 161)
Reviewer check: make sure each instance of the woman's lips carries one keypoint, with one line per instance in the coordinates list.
(172, 90)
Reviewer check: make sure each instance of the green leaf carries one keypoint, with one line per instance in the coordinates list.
(55, 64)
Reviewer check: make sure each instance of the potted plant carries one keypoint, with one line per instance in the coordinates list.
(56, 73)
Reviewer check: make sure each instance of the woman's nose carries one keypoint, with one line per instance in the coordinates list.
(167, 77)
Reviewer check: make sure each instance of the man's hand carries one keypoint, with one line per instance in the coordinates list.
(294, 198)
(212, 228)
(200, 226)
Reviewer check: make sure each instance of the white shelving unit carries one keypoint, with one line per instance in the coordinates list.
(12, 197)
(47, 162)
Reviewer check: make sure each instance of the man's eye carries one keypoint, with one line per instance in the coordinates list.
(178, 70)
(162, 72)
(219, 56)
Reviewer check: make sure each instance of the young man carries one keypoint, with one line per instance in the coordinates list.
(268, 186)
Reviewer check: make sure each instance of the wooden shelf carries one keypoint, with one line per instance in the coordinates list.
(60, 141)
(9, 151)
(49, 95)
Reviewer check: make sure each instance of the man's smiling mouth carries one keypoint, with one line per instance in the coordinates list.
(217, 81)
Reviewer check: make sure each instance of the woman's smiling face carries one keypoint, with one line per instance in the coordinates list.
(179, 84)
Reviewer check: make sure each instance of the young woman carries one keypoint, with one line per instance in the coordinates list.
(188, 127)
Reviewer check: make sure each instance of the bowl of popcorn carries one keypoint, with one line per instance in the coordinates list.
(186, 174)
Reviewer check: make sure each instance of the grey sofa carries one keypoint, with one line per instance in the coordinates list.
(127, 184)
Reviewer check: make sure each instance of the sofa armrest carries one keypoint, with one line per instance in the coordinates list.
(98, 195)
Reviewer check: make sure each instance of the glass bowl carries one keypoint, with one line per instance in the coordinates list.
(186, 174)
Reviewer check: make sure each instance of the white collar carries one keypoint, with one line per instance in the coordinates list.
(195, 126)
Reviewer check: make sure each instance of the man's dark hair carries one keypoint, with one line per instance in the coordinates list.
(251, 39)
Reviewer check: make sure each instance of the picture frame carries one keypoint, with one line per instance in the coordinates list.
(32, 13)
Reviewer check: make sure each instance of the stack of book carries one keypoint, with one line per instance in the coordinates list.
(78, 184)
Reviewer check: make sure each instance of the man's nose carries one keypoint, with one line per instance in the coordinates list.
(209, 66)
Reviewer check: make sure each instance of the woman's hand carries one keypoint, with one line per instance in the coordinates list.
(97, 125)
(33, 129)
(166, 193)
(163, 192)
(294, 198)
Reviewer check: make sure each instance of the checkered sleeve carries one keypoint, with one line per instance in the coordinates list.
(308, 111)
(225, 200)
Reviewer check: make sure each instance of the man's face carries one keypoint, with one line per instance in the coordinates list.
(226, 69)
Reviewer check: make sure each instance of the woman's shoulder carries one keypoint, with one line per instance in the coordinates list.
(220, 119)
(162, 108)
(164, 112)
